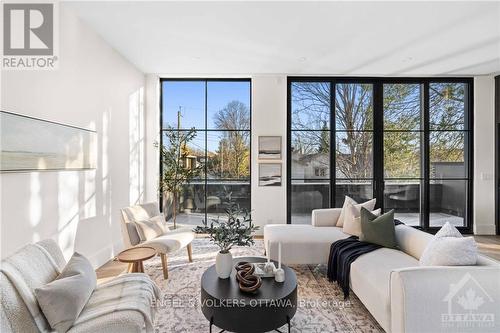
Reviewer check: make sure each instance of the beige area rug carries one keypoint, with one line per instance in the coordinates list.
(321, 307)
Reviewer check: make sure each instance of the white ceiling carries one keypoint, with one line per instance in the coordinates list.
(323, 38)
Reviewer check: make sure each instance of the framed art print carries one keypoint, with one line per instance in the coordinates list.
(270, 147)
(32, 144)
(269, 174)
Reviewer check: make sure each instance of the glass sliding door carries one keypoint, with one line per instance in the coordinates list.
(310, 151)
(353, 142)
(402, 137)
(405, 141)
(219, 111)
(448, 137)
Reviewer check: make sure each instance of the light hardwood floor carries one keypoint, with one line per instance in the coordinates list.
(488, 245)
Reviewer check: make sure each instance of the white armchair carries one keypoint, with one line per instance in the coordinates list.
(108, 309)
(169, 242)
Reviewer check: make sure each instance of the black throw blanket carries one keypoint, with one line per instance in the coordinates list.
(342, 254)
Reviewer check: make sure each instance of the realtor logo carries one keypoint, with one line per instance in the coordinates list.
(468, 305)
(29, 36)
(28, 29)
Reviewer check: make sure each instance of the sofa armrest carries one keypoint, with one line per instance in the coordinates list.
(424, 299)
(325, 217)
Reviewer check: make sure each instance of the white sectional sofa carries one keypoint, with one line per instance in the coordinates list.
(400, 294)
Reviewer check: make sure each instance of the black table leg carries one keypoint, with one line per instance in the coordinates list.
(288, 323)
(211, 323)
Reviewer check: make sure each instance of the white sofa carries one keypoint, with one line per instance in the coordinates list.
(108, 309)
(401, 295)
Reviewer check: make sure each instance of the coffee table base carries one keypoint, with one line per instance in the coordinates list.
(277, 330)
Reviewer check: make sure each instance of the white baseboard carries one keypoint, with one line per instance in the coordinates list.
(484, 229)
(104, 255)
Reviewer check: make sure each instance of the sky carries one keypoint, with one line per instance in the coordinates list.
(190, 96)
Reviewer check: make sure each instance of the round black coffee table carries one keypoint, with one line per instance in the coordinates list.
(273, 305)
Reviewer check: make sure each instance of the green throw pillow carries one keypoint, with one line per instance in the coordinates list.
(378, 229)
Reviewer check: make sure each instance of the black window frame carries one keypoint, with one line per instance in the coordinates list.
(378, 132)
(206, 130)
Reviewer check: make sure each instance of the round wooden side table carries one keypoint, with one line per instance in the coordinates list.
(135, 256)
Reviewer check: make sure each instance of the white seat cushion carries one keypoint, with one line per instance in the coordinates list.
(171, 241)
(370, 280)
(301, 244)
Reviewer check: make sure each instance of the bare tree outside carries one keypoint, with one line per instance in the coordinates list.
(354, 125)
(232, 158)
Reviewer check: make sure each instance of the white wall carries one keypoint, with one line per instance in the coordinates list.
(94, 87)
(269, 114)
(268, 118)
(484, 155)
(152, 136)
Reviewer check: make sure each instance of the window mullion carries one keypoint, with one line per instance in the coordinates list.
(206, 150)
(333, 145)
(378, 143)
(425, 159)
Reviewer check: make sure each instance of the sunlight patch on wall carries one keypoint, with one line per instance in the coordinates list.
(89, 187)
(89, 204)
(35, 207)
(105, 162)
(68, 209)
(136, 147)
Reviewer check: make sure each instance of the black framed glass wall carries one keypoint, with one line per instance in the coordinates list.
(220, 112)
(405, 140)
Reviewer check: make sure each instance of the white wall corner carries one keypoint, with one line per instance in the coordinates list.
(484, 155)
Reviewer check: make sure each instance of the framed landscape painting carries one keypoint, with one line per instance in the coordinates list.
(270, 147)
(269, 174)
(31, 144)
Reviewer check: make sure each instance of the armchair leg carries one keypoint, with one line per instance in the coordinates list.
(163, 257)
(190, 252)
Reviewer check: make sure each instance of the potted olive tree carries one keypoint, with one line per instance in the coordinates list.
(235, 231)
(176, 171)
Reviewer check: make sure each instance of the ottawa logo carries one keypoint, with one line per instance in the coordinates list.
(467, 304)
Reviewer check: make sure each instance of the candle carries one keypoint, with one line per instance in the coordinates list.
(279, 255)
(268, 251)
(279, 274)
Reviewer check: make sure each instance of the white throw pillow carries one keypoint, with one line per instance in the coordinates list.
(450, 251)
(370, 204)
(448, 230)
(151, 228)
(347, 201)
(352, 222)
(63, 299)
(449, 248)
